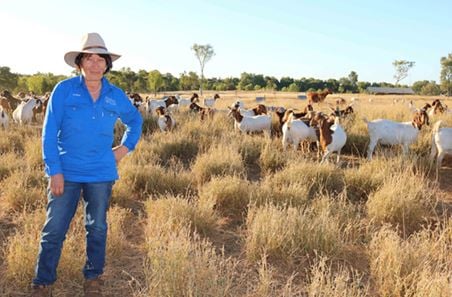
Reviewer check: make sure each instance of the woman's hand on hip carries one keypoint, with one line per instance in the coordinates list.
(120, 151)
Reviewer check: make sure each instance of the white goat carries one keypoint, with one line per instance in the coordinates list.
(252, 124)
(24, 111)
(4, 119)
(295, 130)
(210, 102)
(441, 144)
(391, 133)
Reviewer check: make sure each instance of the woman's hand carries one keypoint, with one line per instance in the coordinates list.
(119, 152)
(57, 184)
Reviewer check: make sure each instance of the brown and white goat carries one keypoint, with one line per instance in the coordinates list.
(342, 113)
(210, 102)
(257, 110)
(13, 101)
(392, 133)
(186, 102)
(152, 104)
(295, 131)
(332, 135)
(248, 124)
(165, 121)
(204, 112)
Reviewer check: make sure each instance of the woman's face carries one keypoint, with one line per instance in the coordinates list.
(93, 67)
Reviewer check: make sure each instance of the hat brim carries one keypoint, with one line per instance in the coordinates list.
(69, 57)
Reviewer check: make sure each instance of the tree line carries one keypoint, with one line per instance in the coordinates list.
(154, 81)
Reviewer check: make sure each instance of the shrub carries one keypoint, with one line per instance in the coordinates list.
(217, 162)
(228, 196)
(316, 177)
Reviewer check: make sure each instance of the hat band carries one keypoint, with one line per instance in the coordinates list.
(91, 47)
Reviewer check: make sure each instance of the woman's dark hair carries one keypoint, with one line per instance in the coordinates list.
(107, 58)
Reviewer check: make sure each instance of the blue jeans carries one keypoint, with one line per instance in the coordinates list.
(60, 211)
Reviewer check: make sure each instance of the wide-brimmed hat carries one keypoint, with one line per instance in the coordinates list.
(92, 43)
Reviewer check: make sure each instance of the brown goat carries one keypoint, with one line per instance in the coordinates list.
(317, 97)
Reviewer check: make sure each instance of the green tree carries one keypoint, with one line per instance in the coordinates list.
(446, 74)
(271, 83)
(22, 84)
(353, 78)
(362, 86)
(189, 81)
(231, 83)
(285, 82)
(401, 67)
(431, 89)
(41, 83)
(246, 82)
(141, 83)
(8, 80)
(418, 85)
(155, 81)
(203, 53)
(293, 87)
(116, 78)
(36, 83)
(128, 77)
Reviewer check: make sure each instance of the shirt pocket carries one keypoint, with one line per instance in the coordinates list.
(109, 116)
(74, 116)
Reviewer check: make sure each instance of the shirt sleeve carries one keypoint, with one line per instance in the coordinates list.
(131, 118)
(50, 130)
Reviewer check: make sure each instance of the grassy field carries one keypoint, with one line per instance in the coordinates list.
(207, 211)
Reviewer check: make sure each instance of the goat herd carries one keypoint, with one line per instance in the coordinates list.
(294, 127)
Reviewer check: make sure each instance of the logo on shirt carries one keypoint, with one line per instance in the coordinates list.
(110, 101)
(76, 95)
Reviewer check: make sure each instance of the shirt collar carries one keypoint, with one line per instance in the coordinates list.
(105, 83)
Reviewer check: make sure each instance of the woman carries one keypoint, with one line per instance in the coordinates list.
(77, 139)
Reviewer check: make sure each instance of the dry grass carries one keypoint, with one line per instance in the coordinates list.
(405, 200)
(289, 233)
(23, 190)
(179, 262)
(219, 161)
(414, 266)
(325, 281)
(228, 196)
(207, 211)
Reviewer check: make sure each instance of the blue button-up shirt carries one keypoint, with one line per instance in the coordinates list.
(78, 132)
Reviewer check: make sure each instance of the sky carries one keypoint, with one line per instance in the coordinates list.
(321, 39)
